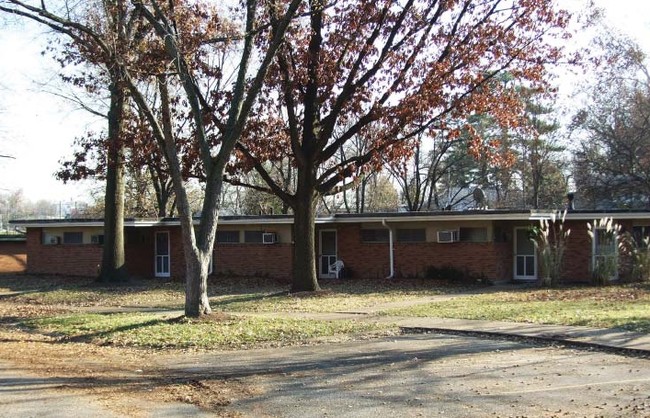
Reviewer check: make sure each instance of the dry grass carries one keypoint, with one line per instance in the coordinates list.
(624, 306)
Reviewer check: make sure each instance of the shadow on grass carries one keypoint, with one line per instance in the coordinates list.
(223, 304)
(302, 373)
(104, 336)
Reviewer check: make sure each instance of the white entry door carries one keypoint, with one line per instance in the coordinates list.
(162, 254)
(525, 263)
(327, 253)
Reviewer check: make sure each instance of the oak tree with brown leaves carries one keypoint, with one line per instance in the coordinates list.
(219, 63)
(100, 36)
(388, 72)
(149, 190)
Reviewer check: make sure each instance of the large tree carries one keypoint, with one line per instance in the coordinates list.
(540, 154)
(149, 191)
(389, 71)
(203, 47)
(182, 38)
(97, 34)
(612, 163)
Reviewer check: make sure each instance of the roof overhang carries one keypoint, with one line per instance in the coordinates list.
(393, 218)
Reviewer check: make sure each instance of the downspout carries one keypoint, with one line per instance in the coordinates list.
(390, 249)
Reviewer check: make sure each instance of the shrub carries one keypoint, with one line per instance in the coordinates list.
(550, 239)
(638, 257)
(450, 273)
(604, 232)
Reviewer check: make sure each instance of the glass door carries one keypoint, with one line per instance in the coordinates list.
(525, 263)
(605, 253)
(327, 253)
(162, 254)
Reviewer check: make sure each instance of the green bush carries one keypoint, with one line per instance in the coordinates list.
(445, 272)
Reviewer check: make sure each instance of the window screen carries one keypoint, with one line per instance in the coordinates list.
(411, 235)
(227, 236)
(253, 236)
(640, 233)
(73, 237)
(473, 234)
(374, 235)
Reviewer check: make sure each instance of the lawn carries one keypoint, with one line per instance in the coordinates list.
(337, 296)
(236, 295)
(67, 309)
(617, 306)
(214, 332)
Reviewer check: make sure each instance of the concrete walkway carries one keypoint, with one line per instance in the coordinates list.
(615, 339)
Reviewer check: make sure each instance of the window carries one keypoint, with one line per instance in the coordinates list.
(73, 237)
(253, 237)
(473, 234)
(374, 235)
(605, 254)
(227, 237)
(411, 235)
(641, 234)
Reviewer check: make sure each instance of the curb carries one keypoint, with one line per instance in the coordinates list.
(549, 340)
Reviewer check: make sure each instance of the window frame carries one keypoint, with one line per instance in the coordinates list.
(378, 235)
(412, 236)
(231, 234)
(249, 232)
(68, 234)
(463, 238)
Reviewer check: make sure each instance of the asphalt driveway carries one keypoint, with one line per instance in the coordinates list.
(429, 375)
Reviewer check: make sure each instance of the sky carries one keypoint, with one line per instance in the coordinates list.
(38, 128)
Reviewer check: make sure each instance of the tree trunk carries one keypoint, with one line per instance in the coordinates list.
(198, 247)
(113, 268)
(197, 263)
(304, 249)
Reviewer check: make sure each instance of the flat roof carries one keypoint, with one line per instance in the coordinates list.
(467, 215)
(12, 238)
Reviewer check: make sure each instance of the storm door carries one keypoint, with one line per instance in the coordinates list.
(162, 254)
(327, 253)
(525, 263)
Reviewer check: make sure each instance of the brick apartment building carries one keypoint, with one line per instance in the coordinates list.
(491, 243)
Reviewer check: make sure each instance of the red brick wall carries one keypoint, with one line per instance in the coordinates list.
(371, 260)
(139, 252)
(577, 260)
(13, 257)
(69, 259)
(363, 260)
(85, 259)
(272, 260)
(238, 259)
(486, 258)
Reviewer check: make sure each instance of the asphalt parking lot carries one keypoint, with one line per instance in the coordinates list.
(431, 375)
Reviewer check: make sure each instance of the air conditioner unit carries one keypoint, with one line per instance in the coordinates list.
(97, 239)
(269, 238)
(447, 236)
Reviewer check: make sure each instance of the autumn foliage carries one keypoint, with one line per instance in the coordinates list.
(387, 72)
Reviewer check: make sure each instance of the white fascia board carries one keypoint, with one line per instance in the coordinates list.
(252, 221)
(62, 224)
(428, 218)
(486, 216)
(148, 223)
(590, 216)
